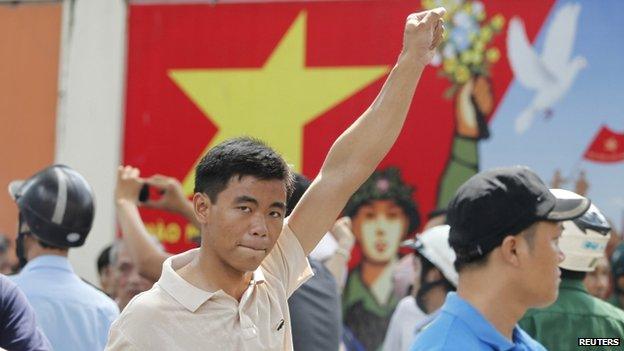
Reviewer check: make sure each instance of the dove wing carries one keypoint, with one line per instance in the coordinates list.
(560, 38)
(525, 63)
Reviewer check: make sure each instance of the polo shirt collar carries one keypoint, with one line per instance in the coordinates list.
(185, 293)
(49, 261)
(480, 326)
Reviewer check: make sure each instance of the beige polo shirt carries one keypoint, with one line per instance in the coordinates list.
(175, 315)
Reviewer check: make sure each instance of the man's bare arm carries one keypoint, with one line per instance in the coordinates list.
(145, 253)
(358, 151)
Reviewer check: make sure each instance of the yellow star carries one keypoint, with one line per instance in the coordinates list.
(274, 102)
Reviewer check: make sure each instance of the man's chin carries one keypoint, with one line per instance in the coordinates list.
(249, 259)
(549, 301)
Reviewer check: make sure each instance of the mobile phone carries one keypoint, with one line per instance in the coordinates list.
(144, 193)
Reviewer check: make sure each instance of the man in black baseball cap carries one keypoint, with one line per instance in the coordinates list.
(504, 230)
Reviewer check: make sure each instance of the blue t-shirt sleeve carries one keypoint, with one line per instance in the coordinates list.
(18, 325)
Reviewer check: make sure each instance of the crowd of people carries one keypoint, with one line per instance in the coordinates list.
(509, 264)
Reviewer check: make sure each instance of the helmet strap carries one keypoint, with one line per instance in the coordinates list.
(20, 250)
(425, 288)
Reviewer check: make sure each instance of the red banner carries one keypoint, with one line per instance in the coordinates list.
(607, 147)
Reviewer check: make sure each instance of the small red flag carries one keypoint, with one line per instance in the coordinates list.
(607, 147)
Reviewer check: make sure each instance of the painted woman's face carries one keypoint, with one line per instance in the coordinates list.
(379, 228)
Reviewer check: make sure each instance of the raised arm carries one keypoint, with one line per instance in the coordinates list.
(146, 255)
(358, 151)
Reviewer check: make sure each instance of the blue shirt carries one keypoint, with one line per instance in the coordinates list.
(73, 314)
(462, 327)
(18, 327)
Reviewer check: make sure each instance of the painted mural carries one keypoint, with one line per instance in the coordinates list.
(530, 82)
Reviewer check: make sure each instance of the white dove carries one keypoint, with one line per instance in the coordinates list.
(551, 75)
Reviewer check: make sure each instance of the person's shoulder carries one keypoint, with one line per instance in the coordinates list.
(528, 340)
(154, 300)
(16, 279)
(408, 306)
(95, 296)
(446, 332)
(11, 296)
(610, 310)
(7, 286)
(407, 302)
(150, 305)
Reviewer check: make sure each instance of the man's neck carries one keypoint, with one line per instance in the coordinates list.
(208, 272)
(497, 302)
(47, 252)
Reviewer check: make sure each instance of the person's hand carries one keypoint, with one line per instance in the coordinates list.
(343, 234)
(172, 199)
(128, 185)
(423, 33)
(473, 104)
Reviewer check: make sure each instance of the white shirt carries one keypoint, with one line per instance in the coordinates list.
(402, 328)
(175, 315)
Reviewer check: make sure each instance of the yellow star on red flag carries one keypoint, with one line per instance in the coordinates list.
(273, 102)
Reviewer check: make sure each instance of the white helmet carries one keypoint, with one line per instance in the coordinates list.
(433, 245)
(584, 240)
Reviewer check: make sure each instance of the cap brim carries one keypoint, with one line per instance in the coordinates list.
(14, 188)
(568, 205)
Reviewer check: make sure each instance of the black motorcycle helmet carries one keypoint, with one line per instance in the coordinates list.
(57, 204)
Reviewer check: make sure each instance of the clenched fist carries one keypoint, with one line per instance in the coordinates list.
(423, 33)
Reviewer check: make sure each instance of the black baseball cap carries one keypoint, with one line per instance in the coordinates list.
(504, 201)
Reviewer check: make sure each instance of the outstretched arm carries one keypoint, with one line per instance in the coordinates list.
(356, 153)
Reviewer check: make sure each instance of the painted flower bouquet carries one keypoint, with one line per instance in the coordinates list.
(466, 50)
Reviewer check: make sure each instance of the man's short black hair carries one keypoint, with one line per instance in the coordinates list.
(49, 246)
(301, 184)
(103, 260)
(572, 275)
(477, 262)
(240, 157)
(529, 236)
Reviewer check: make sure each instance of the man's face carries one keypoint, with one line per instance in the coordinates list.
(107, 281)
(126, 275)
(434, 298)
(597, 282)
(245, 221)
(379, 227)
(6, 267)
(540, 274)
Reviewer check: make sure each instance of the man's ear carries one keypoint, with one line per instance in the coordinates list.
(509, 250)
(201, 207)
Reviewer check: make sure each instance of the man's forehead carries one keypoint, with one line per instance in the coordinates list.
(247, 184)
(550, 226)
(123, 253)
